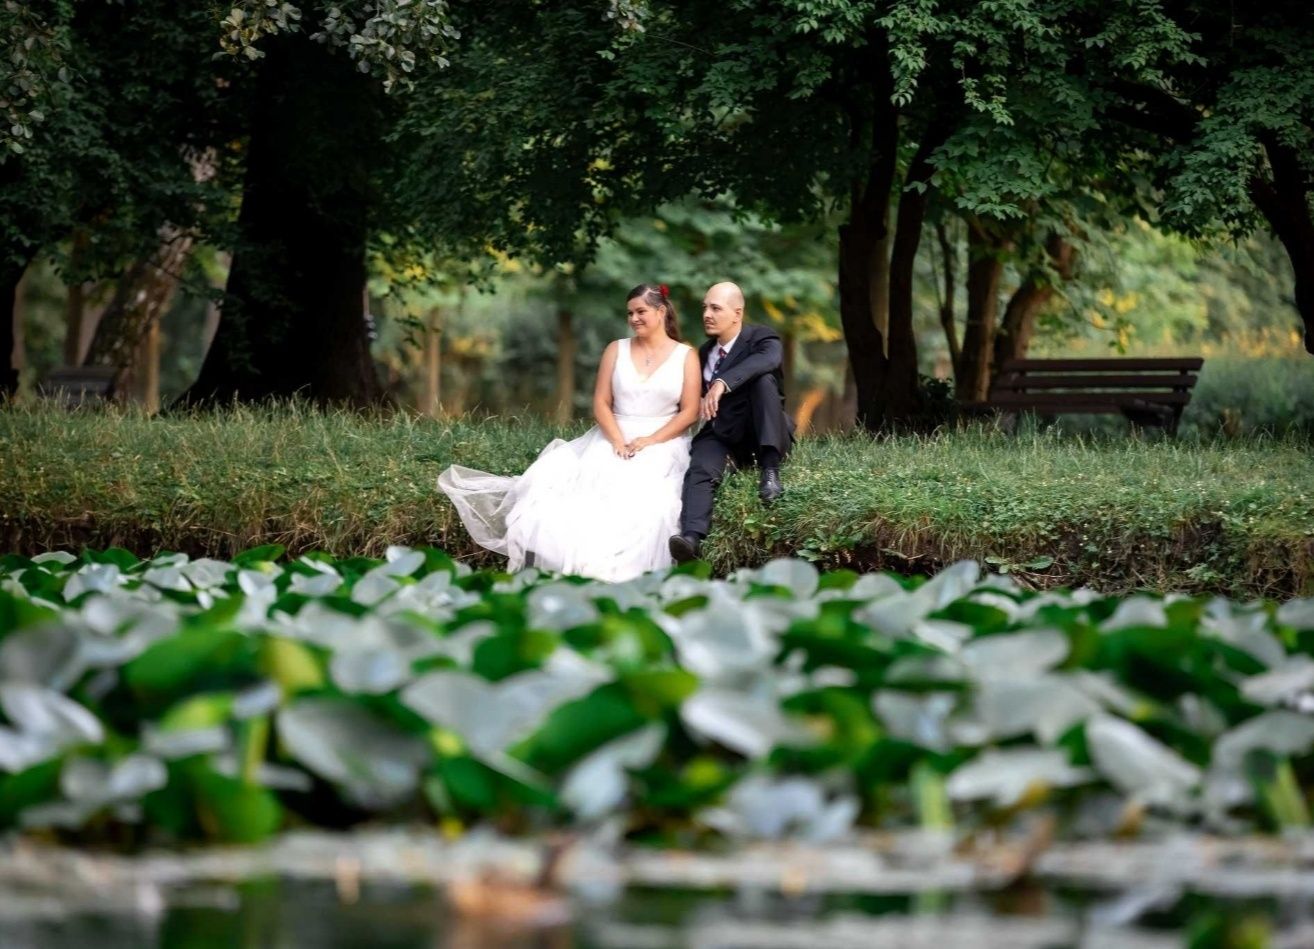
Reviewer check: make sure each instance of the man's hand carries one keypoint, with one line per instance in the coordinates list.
(712, 401)
(639, 444)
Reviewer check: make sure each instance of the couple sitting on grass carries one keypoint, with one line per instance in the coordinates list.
(636, 491)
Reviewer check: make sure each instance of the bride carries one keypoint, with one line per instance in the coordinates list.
(604, 504)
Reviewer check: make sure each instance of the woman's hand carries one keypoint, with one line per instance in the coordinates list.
(639, 444)
(621, 449)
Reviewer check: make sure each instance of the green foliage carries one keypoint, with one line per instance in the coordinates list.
(387, 37)
(776, 702)
(35, 47)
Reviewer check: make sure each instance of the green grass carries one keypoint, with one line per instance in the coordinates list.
(1119, 513)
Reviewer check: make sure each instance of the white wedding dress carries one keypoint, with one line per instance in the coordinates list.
(579, 508)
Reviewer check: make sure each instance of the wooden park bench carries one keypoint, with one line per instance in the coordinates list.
(74, 385)
(1148, 392)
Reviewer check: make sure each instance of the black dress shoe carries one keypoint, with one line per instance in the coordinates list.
(684, 547)
(770, 488)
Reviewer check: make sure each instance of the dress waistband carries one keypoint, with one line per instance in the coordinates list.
(645, 418)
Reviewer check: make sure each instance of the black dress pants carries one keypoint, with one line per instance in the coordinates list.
(756, 422)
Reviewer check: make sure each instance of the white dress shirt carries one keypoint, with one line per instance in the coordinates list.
(713, 363)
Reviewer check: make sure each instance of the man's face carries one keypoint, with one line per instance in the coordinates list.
(721, 314)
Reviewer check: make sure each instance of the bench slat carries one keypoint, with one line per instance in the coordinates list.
(1090, 398)
(1011, 382)
(1175, 364)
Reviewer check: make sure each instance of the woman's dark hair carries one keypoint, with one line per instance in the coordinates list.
(653, 295)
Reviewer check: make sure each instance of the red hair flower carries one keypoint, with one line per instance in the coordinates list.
(666, 291)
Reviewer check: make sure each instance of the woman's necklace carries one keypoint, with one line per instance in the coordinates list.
(647, 359)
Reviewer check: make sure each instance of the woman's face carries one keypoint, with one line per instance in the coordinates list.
(644, 318)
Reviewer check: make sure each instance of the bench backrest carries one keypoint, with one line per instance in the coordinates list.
(1135, 374)
(79, 383)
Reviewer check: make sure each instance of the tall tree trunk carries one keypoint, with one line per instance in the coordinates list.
(880, 283)
(863, 262)
(947, 321)
(75, 308)
(10, 276)
(1285, 202)
(292, 320)
(564, 409)
(985, 265)
(20, 325)
(145, 370)
(431, 390)
(1037, 289)
(902, 397)
(128, 330)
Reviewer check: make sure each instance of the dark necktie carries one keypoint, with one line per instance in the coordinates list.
(720, 356)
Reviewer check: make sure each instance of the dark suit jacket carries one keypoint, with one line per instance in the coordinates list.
(756, 353)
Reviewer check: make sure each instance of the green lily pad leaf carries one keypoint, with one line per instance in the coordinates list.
(725, 639)
(98, 577)
(206, 573)
(1044, 705)
(746, 723)
(1140, 765)
(374, 587)
(267, 552)
(321, 581)
(291, 664)
(171, 744)
(61, 557)
(20, 751)
(560, 606)
(259, 699)
(368, 671)
(89, 786)
(1006, 776)
(88, 780)
(169, 664)
(797, 576)
(1297, 613)
(765, 808)
(1136, 611)
(43, 712)
(1292, 678)
(596, 786)
(921, 719)
(490, 717)
(1281, 732)
(47, 655)
(370, 759)
(207, 710)
(1015, 655)
(233, 811)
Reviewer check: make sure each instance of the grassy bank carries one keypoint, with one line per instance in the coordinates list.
(1235, 516)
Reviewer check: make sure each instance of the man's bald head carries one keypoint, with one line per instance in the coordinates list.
(723, 311)
(729, 292)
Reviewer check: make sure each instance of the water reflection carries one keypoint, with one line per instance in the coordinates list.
(274, 912)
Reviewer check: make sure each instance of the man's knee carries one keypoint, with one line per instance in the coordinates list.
(765, 385)
(704, 471)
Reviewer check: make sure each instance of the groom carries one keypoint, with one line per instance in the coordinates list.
(743, 411)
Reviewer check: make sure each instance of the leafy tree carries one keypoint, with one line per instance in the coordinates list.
(803, 109)
(1232, 128)
(102, 140)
